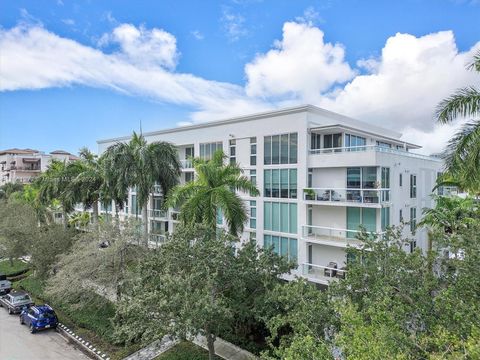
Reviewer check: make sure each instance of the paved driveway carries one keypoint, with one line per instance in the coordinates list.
(16, 342)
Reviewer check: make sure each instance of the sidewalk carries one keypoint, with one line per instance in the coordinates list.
(154, 349)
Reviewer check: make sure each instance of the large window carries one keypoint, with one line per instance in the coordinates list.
(413, 219)
(253, 151)
(315, 141)
(364, 178)
(332, 141)
(413, 186)
(280, 183)
(253, 214)
(384, 144)
(134, 205)
(208, 149)
(280, 149)
(189, 152)
(360, 216)
(354, 140)
(233, 151)
(385, 183)
(281, 217)
(253, 178)
(385, 215)
(283, 246)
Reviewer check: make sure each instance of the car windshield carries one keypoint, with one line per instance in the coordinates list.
(46, 315)
(21, 298)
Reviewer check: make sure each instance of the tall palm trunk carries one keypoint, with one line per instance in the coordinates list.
(95, 212)
(65, 219)
(145, 223)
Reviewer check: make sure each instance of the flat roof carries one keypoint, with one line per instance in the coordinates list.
(354, 123)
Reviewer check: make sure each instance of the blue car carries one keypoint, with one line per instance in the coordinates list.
(39, 317)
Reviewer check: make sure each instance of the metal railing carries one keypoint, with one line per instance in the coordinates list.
(157, 213)
(376, 148)
(186, 164)
(332, 234)
(324, 273)
(362, 196)
(24, 168)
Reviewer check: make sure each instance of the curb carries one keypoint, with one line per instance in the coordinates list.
(86, 347)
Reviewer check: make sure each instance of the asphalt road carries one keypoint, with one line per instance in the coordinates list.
(16, 342)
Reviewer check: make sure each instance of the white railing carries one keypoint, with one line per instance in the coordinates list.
(155, 213)
(155, 240)
(362, 196)
(186, 164)
(157, 189)
(324, 273)
(332, 234)
(376, 148)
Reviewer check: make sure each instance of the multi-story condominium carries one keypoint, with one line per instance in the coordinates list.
(23, 165)
(321, 176)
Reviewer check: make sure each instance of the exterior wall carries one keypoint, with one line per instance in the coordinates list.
(329, 171)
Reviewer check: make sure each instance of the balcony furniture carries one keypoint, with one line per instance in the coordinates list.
(341, 273)
(330, 270)
(325, 196)
(354, 196)
(336, 196)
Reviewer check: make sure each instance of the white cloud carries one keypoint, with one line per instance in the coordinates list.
(233, 25)
(310, 16)
(197, 35)
(69, 22)
(397, 90)
(144, 46)
(403, 86)
(300, 66)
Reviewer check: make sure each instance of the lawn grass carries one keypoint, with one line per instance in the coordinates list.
(184, 350)
(90, 320)
(7, 269)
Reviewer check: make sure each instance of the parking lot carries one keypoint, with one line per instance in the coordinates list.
(16, 342)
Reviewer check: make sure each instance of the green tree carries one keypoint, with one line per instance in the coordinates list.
(86, 187)
(52, 242)
(212, 191)
(141, 165)
(462, 154)
(18, 229)
(10, 188)
(184, 288)
(98, 261)
(54, 183)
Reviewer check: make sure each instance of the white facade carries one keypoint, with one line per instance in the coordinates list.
(318, 181)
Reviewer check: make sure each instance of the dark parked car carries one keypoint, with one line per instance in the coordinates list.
(5, 285)
(15, 301)
(39, 317)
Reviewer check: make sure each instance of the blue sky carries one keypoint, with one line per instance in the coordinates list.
(50, 100)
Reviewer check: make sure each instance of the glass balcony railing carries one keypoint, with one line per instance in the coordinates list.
(156, 213)
(323, 273)
(374, 148)
(155, 240)
(186, 164)
(362, 196)
(322, 233)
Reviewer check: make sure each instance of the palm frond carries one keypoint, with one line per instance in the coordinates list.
(463, 103)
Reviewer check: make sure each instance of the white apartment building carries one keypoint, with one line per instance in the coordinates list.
(23, 165)
(320, 174)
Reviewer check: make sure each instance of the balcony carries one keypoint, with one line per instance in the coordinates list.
(24, 168)
(332, 236)
(347, 197)
(187, 164)
(367, 155)
(155, 240)
(157, 213)
(322, 274)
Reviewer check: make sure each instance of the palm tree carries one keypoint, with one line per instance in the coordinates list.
(140, 165)
(87, 186)
(214, 189)
(53, 185)
(462, 156)
(10, 188)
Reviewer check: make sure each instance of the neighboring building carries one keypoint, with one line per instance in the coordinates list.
(23, 165)
(321, 175)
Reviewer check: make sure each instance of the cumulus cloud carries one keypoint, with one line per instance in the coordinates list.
(398, 89)
(34, 58)
(300, 66)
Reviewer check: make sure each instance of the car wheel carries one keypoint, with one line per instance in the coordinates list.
(32, 329)
(21, 320)
(10, 311)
